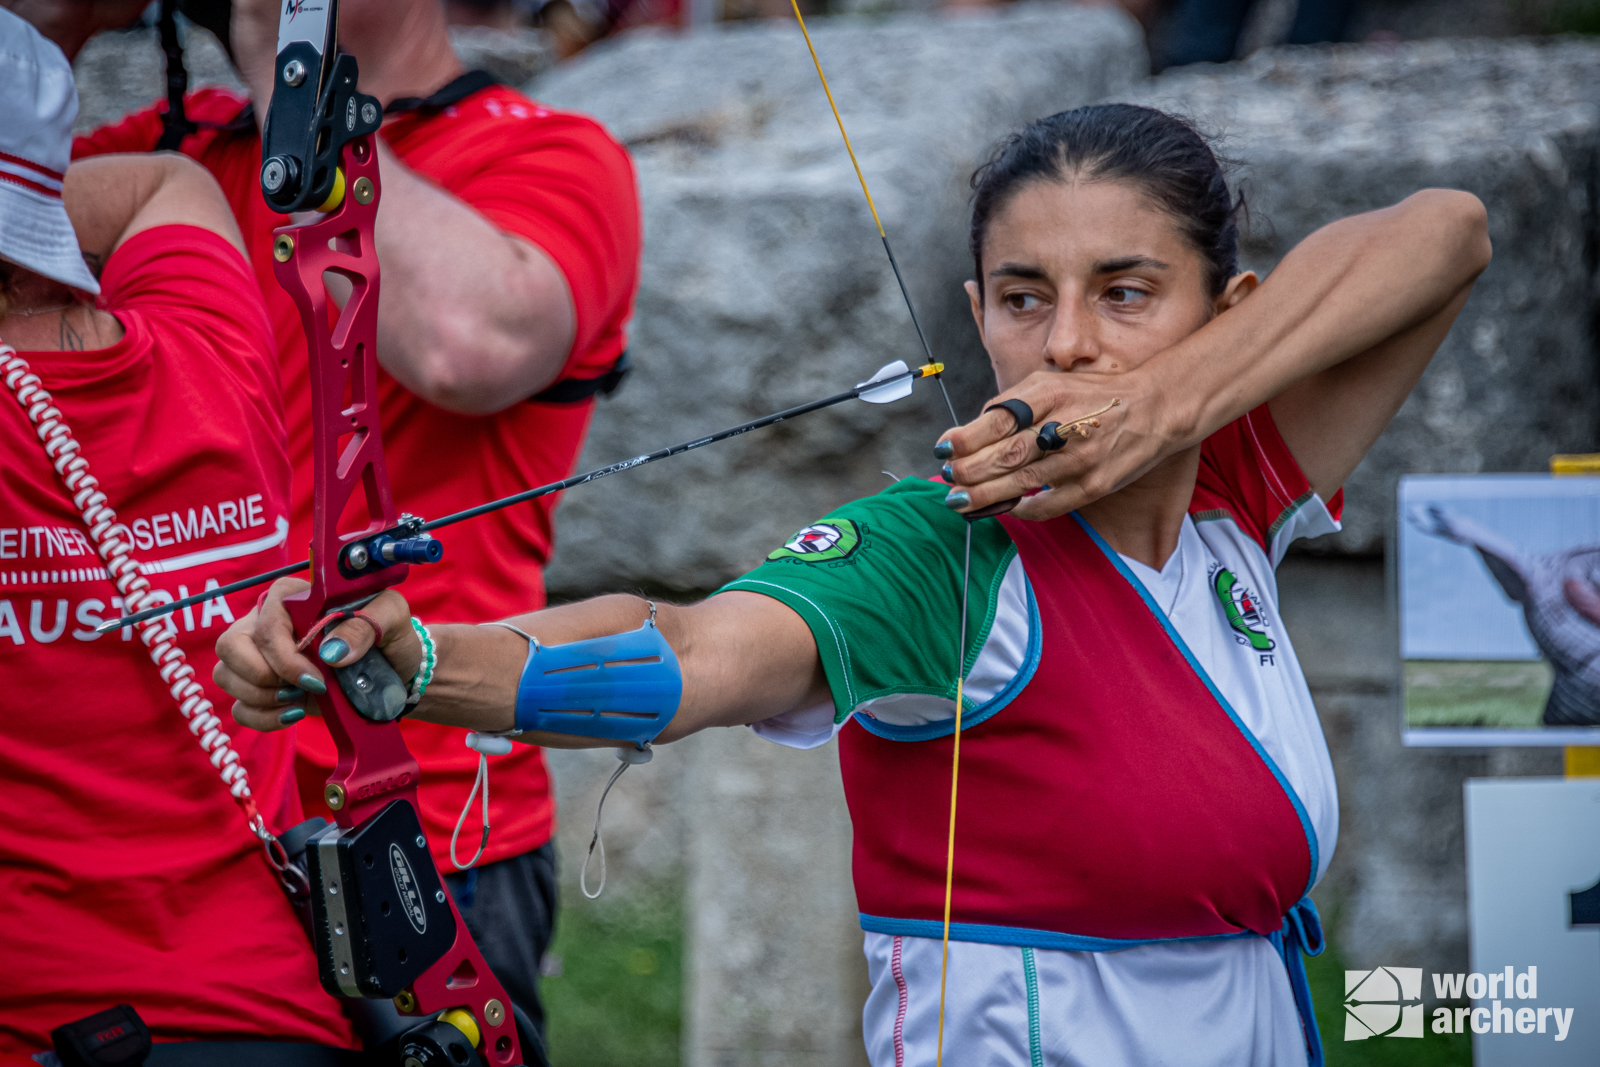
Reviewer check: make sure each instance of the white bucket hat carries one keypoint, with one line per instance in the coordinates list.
(40, 104)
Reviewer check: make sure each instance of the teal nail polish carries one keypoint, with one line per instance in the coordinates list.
(333, 650)
(288, 694)
(944, 450)
(957, 499)
(948, 472)
(290, 716)
(312, 684)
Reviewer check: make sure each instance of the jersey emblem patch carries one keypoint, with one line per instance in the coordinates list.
(821, 542)
(1244, 611)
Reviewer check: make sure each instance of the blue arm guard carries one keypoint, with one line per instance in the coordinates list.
(624, 687)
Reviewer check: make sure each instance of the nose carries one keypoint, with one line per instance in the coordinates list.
(1074, 336)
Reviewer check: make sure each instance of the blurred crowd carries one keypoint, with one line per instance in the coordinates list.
(1180, 31)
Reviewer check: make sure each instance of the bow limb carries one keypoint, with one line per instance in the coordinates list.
(319, 151)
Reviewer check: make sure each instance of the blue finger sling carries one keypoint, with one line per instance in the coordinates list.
(623, 687)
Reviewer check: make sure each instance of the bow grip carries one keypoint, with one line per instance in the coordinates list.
(373, 687)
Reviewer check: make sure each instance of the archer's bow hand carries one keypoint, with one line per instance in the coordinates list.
(1089, 435)
(275, 683)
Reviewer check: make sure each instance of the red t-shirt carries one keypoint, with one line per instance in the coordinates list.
(126, 872)
(561, 182)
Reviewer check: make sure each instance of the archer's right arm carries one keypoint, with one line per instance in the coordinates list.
(744, 658)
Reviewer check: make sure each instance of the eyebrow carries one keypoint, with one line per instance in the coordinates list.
(1018, 270)
(1126, 263)
(1104, 266)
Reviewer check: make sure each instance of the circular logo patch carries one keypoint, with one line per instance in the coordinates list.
(821, 542)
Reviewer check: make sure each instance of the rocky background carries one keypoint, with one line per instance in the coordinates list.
(765, 285)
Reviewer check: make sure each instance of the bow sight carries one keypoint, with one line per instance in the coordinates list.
(383, 925)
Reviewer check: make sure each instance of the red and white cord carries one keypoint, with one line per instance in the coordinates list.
(110, 540)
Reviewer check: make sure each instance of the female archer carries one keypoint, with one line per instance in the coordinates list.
(1145, 794)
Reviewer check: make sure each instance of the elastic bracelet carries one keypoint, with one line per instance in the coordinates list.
(419, 684)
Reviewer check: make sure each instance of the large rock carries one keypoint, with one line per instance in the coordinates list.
(118, 73)
(1331, 131)
(764, 282)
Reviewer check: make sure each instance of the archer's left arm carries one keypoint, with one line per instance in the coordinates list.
(742, 657)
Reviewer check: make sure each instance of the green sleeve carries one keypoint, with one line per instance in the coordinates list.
(878, 581)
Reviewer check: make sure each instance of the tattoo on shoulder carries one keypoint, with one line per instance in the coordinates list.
(70, 339)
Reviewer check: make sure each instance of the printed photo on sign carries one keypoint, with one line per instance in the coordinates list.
(1499, 608)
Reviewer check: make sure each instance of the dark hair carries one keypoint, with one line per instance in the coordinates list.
(1164, 155)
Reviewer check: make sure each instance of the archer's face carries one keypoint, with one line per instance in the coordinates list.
(1087, 276)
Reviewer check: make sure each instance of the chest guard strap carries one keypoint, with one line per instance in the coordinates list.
(623, 687)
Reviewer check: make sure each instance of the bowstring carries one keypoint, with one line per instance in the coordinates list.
(927, 350)
(966, 567)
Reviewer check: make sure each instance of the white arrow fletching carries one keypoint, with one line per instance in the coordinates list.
(889, 392)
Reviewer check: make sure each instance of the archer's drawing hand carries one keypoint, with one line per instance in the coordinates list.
(1113, 425)
(275, 684)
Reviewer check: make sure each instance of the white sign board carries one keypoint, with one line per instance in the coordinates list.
(1533, 849)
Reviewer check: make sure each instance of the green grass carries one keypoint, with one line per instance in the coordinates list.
(1571, 16)
(619, 996)
(1503, 694)
(1326, 974)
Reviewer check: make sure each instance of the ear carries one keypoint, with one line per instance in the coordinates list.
(976, 299)
(1239, 287)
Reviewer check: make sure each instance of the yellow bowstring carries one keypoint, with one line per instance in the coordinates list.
(961, 651)
(949, 869)
(824, 79)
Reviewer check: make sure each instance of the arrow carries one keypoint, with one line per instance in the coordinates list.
(891, 382)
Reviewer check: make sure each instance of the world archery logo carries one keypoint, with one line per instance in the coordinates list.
(1244, 610)
(1383, 1002)
(821, 542)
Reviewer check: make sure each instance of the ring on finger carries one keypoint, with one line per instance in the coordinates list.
(1018, 409)
(1050, 440)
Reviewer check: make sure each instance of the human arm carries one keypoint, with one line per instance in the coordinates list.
(1335, 339)
(744, 658)
(472, 324)
(473, 317)
(111, 198)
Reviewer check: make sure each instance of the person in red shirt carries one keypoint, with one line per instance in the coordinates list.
(509, 238)
(128, 871)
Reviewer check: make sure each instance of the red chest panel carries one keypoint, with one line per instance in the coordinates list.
(1116, 797)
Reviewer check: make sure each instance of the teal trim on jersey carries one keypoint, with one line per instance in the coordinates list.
(1177, 639)
(886, 618)
(971, 714)
(1030, 976)
(1288, 513)
(1023, 937)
